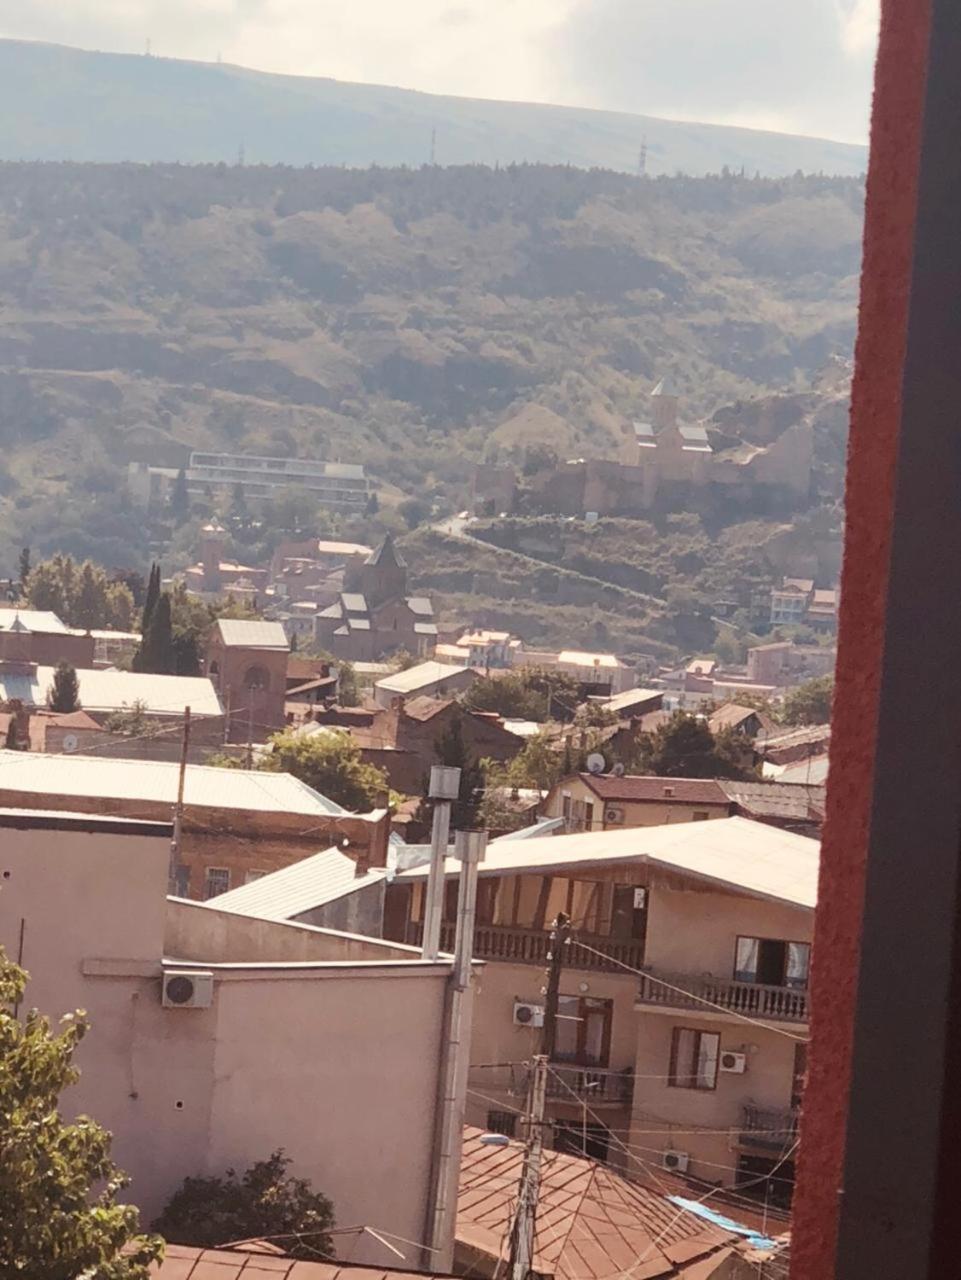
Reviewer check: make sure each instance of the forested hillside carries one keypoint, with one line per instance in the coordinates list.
(415, 321)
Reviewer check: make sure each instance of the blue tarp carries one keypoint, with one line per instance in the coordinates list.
(726, 1224)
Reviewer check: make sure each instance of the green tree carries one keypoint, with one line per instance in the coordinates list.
(531, 694)
(23, 569)
(180, 498)
(537, 764)
(809, 703)
(413, 511)
(686, 748)
(151, 598)
(264, 1203)
(132, 722)
(348, 690)
(157, 652)
(451, 750)
(59, 1215)
(82, 596)
(331, 763)
(64, 694)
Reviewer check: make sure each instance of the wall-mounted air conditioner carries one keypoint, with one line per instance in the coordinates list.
(675, 1161)
(735, 1063)
(613, 815)
(528, 1015)
(188, 989)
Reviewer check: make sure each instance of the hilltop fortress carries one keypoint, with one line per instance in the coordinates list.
(747, 452)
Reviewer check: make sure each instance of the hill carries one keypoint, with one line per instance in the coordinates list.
(59, 103)
(416, 322)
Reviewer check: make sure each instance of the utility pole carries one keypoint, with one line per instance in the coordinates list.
(249, 754)
(521, 1259)
(471, 847)
(174, 874)
(444, 790)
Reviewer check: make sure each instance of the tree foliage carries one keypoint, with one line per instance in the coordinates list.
(451, 750)
(331, 763)
(529, 694)
(264, 1203)
(59, 1214)
(348, 690)
(685, 747)
(64, 694)
(82, 595)
(809, 703)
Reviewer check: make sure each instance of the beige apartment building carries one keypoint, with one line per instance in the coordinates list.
(683, 997)
(604, 802)
(216, 1038)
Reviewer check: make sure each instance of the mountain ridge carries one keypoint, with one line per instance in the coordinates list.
(64, 103)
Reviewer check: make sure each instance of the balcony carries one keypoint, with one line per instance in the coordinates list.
(750, 999)
(767, 1129)
(590, 1085)
(530, 946)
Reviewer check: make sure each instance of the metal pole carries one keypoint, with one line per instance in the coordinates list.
(174, 876)
(559, 940)
(444, 789)
(522, 1236)
(471, 847)
(249, 756)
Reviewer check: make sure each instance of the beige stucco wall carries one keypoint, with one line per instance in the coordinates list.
(648, 814)
(336, 1062)
(695, 931)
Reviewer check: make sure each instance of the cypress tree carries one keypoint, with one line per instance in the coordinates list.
(156, 653)
(64, 693)
(153, 595)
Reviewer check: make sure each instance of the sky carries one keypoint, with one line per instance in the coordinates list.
(798, 66)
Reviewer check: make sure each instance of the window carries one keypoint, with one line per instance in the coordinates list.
(588, 815)
(700, 815)
(577, 1139)
(216, 880)
(502, 1122)
(771, 962)
(694, 1057)
(251, 876)
(583, 1031)
(257, 677)
(629, 912)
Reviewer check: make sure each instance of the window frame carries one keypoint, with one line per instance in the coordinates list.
(784, 942)
(224, 871)
(691, 1081)
(588, 1004)
(502, 1121)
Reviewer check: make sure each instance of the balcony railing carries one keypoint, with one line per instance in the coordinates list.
(590, 1085)
(769, 1129)
(530, 946)
(752, 999)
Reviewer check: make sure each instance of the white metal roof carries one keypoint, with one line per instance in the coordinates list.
(252, 633)
(761, 860)
(577, 658)
(33, 620)
(630, 697)
(108, 690)
(419, 677)
(297, 889)
(77, 775)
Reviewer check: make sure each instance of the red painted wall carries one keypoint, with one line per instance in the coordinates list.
(875, 417)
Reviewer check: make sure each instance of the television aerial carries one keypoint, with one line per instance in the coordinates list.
(596, 762)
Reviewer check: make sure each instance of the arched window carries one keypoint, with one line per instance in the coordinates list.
(257, 677)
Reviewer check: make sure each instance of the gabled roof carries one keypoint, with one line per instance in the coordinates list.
(760, 860)
(420, 605)
(790, 801)
(591, 1224)
(643, 788)
(422, 676)
(621, 703)
(731, 716)
(252, 633)
(353, 602)
(387, 554)
(299, 888)
(31, 620)
(156, 780)
(665, 388)
(109, 690)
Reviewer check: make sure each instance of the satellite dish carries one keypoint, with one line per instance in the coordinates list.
(596, 762)
(70, 742)
(618, 771)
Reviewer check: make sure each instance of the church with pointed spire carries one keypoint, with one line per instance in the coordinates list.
(374, 616)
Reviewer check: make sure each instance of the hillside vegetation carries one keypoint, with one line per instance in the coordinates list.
(60, 103)
(415, 321)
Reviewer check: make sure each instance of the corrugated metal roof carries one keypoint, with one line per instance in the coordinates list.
(358, 624)
(592, 1224)
(110, 690)
(252, 633)
(78, 775)
(631, 698)
(762, 860)
(425, 629)
(33, 620)
(419, 677)
(420, 605)
(353, 602)
(299, 888)
(258, 1261)
(814, 770)
(577, 658)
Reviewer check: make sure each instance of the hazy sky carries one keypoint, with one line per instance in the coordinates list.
(798, 65)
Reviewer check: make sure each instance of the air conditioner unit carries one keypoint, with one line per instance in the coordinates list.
(613, 815)
(675, 1161)
(70, 742)
(528, 1015)
(735, 1063)
(188, 989)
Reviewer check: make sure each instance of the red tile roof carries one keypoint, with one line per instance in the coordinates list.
(592, 1224)
(642, 789)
